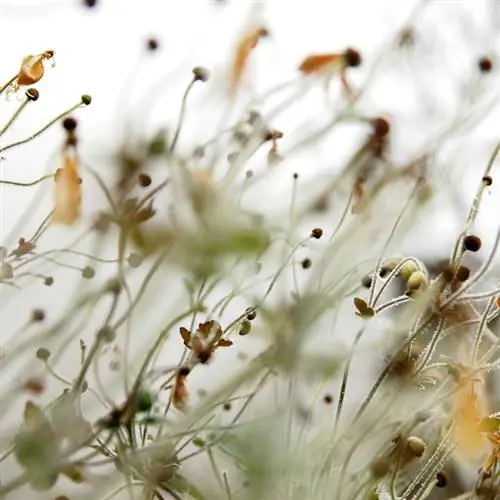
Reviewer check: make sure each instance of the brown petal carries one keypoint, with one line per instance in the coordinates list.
(318, 62)
(67, 192)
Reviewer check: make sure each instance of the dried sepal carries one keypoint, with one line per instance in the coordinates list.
(32, 69)
(363, 309)
(67, 191)
(243, 49)
(180, 394)
(224, 343)
(186, 336)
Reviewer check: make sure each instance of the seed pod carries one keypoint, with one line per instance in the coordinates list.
(416, 281)
(416, 446)
(408, 269)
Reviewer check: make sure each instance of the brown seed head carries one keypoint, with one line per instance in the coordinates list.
(352, 58)
(472, 243)
(317, 233)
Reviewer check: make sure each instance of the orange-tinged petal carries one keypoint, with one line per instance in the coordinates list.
(316, 63)
(67, 192)
(243, 50)
(31, 71)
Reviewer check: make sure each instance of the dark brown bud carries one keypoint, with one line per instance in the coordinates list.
(485, 64)
(472, 243)
(352, 58)
(317, 233)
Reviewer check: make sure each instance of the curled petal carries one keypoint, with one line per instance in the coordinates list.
(67, 192)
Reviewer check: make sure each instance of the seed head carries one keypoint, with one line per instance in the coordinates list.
(416, 446)
(472, 243)
(487, 180)
(107, 334)
(48, 281)
(144, 401)
(251, 315)
(317, 233)
(88, 272)
(306, 263)
(485, 64)
(90, 3)
(201, 74)
(441, 480)
(226, 407)
(366, 281)
(416, 280)
(152, 44)
(352, 58)
(32, 94)
(69, 124)
(144, 180)
(42, 354)
(381, 127)
(328, 399)
(463, 273)
(37, 315)
(86, 99)
(245, 328)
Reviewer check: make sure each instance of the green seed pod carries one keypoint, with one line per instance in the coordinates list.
(416, 281)
(408, 269)
(415, 446)
(144, 401)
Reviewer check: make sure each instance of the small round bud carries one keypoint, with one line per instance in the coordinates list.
(487, 180)
(381, 127)
(69, 124)
(152, 44)
(37, 315)
(184, 371)
(245, 328)
(42, 354)
(463, 273)
(134, 260)
(86, 99)
(32, 94)
(295, 175)
(352, 58)
(328, 399)
(201, 74)
(306, 263)
(416, 280)
(88, 272)
(317, 233)
(144, 401)
(107, 334)
(226, 406)
(90, 3)
(472, 243)
(416, 446)
(144, 180)
(441, 480)
(408, 269)
(366, 281)
(485, 64)
(48, 281)
(251, 315)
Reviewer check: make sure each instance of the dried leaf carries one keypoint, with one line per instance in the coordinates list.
(243, 50)
(316, 63)
(67, 191)
(224, 343)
